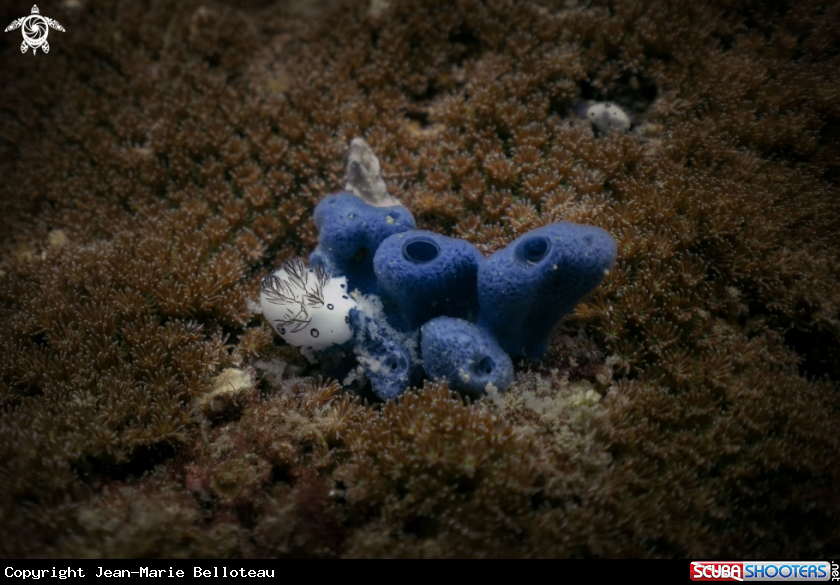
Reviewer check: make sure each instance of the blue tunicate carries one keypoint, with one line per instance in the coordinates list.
(517, 295)
(423, 275)
(350, 231)
(387, 361)
(526, 288)
(465, 354)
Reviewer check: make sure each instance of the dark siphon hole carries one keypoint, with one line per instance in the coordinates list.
(485, 365)
(421, 251)
(394, 362)
(533, 249)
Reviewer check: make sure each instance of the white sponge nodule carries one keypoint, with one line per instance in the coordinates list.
(307, 307)
(607, 116)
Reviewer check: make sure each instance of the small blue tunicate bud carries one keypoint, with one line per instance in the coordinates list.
(526, 288)
(423, 275)
(465, 354)
(349, 233)
(388, 363)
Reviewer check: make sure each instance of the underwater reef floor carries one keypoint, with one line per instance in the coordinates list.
(165, 156)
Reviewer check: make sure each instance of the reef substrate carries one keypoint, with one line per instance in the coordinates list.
(165, 156)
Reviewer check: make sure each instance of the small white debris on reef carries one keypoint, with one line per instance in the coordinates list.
(378, 7)
(356, 375)
(363, 175)
(494, 396)
(254, 306)
(275, 367)
(57, 238)
(605, 116)
(225, 387)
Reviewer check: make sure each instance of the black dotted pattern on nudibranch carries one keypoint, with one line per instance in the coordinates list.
(330, 307)
(347, 319)
(315, 333)
(344, 296)
(282, 331)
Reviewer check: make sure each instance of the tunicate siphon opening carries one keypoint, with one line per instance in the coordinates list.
(394, 362)
(533, 249)
(420, 251)
(485, 365)
(361, 254)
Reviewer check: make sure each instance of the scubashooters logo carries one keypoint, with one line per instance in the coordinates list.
(35, 29)
(761, 571)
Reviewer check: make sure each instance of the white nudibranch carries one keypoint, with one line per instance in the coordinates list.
(307, 307)
(607, 116)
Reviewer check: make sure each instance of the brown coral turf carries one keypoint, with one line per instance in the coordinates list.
(165, 155)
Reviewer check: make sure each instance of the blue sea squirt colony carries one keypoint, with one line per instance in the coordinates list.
(386, 303)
